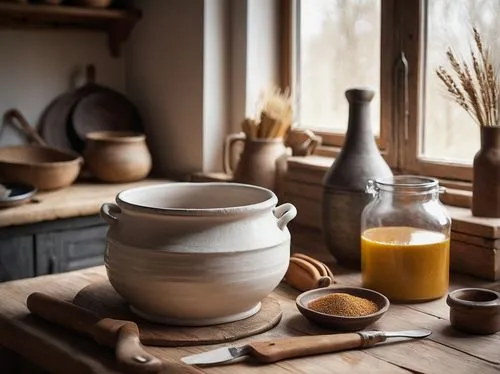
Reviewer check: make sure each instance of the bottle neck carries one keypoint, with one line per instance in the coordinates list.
(490, 137)
(359, 131)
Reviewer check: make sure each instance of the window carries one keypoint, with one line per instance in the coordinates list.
(338, 46)
(394, 47)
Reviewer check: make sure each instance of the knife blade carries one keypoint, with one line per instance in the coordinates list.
(279, 349)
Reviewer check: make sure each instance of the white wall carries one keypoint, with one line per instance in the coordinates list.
(254, 55)
(178, 73)
(38, 65)
(194, 68)
(238, 64)
(262, 49)
(216, 79)
(165, 77)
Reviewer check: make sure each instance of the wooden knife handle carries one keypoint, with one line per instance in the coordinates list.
(130, 353)
(62, 313)
(280, 349)
(123, 336)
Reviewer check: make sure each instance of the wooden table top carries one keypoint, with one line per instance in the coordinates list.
(445, 351)
(80, 199)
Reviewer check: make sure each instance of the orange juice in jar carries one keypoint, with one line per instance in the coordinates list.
(405, 245)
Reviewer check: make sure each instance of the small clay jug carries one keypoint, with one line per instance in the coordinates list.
(259, 162)
(117, 156)
(486, 174)
(344, 184)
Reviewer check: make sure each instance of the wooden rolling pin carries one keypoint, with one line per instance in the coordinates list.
(122, 336)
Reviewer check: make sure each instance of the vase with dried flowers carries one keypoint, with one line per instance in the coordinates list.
(475, 86)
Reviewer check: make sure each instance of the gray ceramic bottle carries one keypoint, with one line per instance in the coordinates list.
(344, 184)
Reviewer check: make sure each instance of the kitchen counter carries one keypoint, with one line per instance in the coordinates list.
(59, 231)
(445, 351)
(79, 199)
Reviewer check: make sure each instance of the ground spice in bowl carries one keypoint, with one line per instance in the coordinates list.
(342, 308)
(343, 304)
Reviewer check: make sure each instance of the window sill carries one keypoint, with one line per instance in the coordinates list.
(475, 241)
(311, 170)
(304, 178)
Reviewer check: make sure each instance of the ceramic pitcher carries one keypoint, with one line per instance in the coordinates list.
(259, 162)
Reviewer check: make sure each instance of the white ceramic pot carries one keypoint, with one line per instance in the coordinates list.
(196, 253)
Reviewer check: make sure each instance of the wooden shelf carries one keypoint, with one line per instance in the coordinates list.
(117, 23)
(81, 199)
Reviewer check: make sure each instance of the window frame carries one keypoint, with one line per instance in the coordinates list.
(402, 32)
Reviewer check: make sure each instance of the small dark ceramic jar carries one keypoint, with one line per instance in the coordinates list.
(475, 310)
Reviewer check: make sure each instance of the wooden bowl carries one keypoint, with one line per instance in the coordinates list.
(475, 310)
(42, 167)
(341, 323)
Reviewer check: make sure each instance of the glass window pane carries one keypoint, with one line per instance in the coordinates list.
(448, 132)
(338, 48)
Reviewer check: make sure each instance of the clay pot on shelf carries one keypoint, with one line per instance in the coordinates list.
(344, 195)
(117, 156)
(486, 175)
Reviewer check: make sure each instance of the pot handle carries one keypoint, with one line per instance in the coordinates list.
(231, 140)
(284, 213)
(109, 212)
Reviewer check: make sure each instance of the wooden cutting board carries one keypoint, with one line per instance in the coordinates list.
(103, 300)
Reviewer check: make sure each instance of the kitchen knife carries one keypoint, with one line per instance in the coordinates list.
(283, 348)
(122, 336)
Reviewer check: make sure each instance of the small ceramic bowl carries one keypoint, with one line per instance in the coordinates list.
(14, 194)
(341, 323)
(475, 310)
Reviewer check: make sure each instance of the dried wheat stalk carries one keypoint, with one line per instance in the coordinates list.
(275, 115)
(474, 85)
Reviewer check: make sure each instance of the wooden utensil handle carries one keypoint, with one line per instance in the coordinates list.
(280, 349)
(62, 313)
(104, 331)
(121, 335)
(130, 353)
(24, 126)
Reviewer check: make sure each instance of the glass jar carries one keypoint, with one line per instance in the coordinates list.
(405, 239)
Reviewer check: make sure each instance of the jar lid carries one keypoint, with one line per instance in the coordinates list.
(414, 184)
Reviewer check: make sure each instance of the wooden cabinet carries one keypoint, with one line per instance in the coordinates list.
(16, 258)
(51, 247)
(35, 239)
(68, 250)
